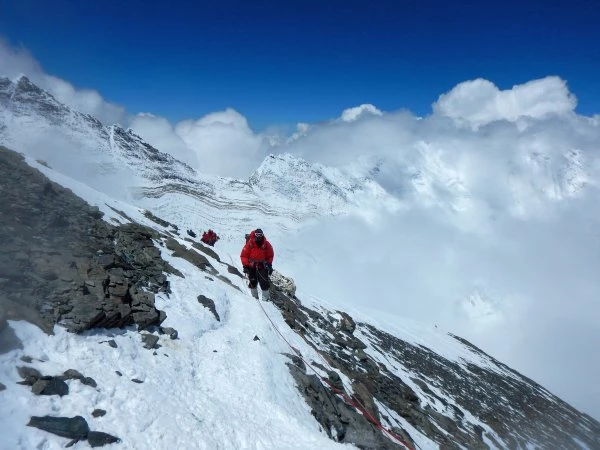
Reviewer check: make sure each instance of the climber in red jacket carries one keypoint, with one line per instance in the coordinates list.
(257, 259)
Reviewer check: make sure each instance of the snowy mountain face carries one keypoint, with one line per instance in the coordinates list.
(157, 342)
(120, 163)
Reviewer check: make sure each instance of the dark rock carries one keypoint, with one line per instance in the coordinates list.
(135, 380)
(118, 373)
(29, 373)
(145, 319)
(98, 413)
(191, 256)
(39, 386)
(27, 359)
(335, 380)
(171, 332)
(53, 386)
(149, 340)
(234, 271)
(73, 374)
(210, 305)
(98, 439)
(112, 343)
(347, 325)
(72, 428)
(2, 387)
(8, 338)
(256, 338)
(156, 219)
(206, 250)
(89, 381)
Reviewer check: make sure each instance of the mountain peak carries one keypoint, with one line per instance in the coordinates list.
(24, 85)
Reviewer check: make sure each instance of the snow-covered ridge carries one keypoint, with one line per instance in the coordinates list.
(118, 162)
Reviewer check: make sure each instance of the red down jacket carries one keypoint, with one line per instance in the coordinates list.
(252, 253)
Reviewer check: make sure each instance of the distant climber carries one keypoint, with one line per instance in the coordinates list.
(209, 237)
(257, 260)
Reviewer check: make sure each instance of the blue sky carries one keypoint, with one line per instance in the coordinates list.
(304, 61)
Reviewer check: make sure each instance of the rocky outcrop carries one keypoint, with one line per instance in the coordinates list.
(51, 385)
(284, 283)
(339, 420)
(455, 405)
(61, 263)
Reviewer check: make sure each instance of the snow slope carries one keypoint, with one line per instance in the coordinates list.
(212, 388)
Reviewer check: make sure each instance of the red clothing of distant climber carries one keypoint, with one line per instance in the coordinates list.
(209, 237)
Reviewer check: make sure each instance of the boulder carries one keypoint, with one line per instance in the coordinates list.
(98, 439)
(285, 284)
(68, 427)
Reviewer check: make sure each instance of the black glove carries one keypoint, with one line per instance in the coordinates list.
(246, 269)
(269, 268)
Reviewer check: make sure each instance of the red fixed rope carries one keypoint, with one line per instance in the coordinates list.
(348, 400)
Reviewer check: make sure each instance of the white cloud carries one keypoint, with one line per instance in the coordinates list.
(85, 100)
(479, 101)
(352, 114)
(159, 132)
(221, 143)
(15, 62)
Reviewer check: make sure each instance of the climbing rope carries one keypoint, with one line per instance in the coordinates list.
(355, 403)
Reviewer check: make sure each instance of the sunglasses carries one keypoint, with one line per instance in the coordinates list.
(258, 235)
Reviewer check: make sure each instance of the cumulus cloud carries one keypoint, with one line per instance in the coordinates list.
(17, 61)
(478, 102)
(221, 143)
(224, 143)
(160, 133)
(352, 114)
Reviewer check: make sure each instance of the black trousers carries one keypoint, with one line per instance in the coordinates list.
(258, 275)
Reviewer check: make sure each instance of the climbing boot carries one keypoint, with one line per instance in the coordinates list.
(266, 295)
(254, 293)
